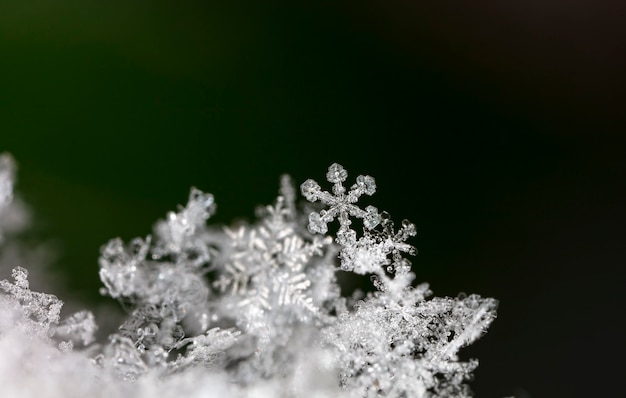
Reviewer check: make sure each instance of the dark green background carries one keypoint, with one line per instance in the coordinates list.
(497, 128)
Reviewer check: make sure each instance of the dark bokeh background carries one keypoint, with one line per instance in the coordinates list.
(498, 128)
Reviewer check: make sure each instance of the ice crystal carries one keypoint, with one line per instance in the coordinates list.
(408, 346)
(160, 280)
(272, 282)
(255, 309)
(39, 313)
(78, 328)
(341, 203)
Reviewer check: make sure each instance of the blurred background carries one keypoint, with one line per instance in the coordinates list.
(497, 128)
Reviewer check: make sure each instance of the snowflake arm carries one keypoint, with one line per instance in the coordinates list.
(179, 235)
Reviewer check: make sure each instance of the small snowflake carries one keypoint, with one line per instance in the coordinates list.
(341, 204)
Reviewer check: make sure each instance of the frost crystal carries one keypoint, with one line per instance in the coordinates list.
(253, 309)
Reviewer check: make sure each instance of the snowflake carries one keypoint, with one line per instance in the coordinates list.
(266, 276)
(162, 282)
(341, 204)
(169, 271)
(407, 345)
